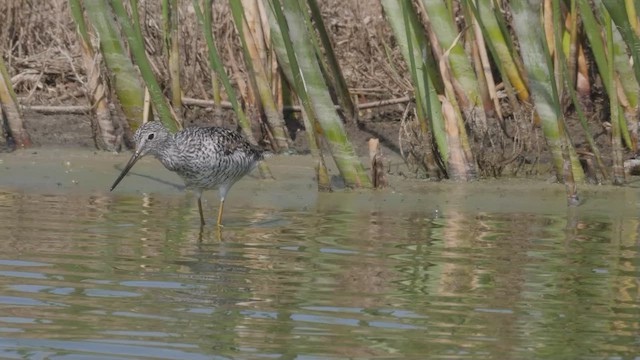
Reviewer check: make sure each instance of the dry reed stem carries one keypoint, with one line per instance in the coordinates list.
(40, 49)
(38, 39)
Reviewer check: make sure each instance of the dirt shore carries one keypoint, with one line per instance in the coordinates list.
(75, 130)
(48, 170)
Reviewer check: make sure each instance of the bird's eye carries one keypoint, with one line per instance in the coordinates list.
(150, 137)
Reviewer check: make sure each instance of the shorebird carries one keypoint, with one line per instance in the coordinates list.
(206, 158)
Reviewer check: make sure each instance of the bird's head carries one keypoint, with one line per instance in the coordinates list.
(149, 138)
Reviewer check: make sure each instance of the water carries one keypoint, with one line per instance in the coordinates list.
(130, 276)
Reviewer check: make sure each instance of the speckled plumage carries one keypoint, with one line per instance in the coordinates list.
(206, 158)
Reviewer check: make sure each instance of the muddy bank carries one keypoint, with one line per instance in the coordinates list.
(79, 170)
(75, 130)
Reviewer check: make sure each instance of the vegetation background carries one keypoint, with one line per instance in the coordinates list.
(459, 89)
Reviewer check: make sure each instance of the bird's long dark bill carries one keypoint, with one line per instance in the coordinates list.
(126, 169)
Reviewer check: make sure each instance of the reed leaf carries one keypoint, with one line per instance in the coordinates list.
(216, 64)
(338, 81)
(124, 77)
(627, 87)
(11, 109)
(107, 137)
(259, 76)
(616, 129)
(285, 54)
(585, 127)
(461, 162)
(572, 169)
(573, 45)
(527, 28)
(171, 44)
(620, 16)
(500, 48)
(625, 39)
(424, 73)
(136, 45)
(215, 83)
(593, 30)
(482, 66)
(333, 130)
(464, 77)
(610, 80)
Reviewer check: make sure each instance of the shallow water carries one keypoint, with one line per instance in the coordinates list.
(406, 273)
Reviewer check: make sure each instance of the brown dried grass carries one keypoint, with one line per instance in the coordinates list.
(39, 44)
(371, 61)
(40, 50)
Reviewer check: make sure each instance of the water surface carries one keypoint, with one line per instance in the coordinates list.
(483, 271)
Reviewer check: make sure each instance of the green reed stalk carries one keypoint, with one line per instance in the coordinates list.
(571, 165)
(258, 76)
(530, 36)
(594, 30)
(620, 14)
(624, 79)
(11, 109)
(500, 48)
(494, 41)
(283, 48)
(171, 45)
(216, 64)
(124, 78)
(469, 96)
(572, 57)
(616, 143)
(338, 80)
(424, 72)
(342, 151)
(215, 83)
(569, 85)
(610, 81)
(136, 45)
(626, 39)
(108, 139)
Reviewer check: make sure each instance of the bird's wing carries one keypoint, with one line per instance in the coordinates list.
(229, 141)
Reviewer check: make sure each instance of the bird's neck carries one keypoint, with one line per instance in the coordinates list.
(166, 151)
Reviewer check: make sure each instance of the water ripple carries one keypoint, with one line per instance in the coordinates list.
(101, 277)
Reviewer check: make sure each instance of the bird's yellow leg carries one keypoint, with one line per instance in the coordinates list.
(200, 209)
(219, 223)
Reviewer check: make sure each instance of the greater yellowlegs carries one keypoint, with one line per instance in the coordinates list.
(206, 158)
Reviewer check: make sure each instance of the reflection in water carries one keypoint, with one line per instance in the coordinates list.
(132, 277)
